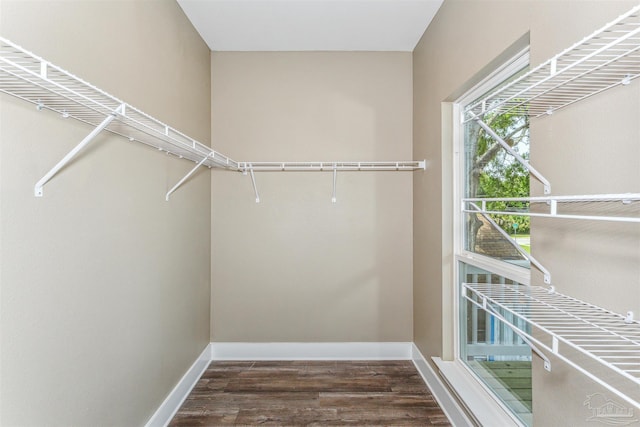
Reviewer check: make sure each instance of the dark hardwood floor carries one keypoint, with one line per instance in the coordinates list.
(310, 393)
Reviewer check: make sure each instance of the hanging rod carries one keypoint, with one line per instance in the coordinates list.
(479, 205)
(248, 168)
(331, 166)
(607, 58)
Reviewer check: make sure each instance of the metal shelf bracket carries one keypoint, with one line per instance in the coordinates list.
(529, 257)
(533, 171)
(335, 177)
(38, 189)
(191, 172)
(253, 182)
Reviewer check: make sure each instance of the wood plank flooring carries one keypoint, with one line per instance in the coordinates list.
(310, 393)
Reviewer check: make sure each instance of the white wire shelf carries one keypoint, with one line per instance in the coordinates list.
(47, 86)
(331, 166)
(33, 79)
(570, 329)
(621, 207)
(607, 58)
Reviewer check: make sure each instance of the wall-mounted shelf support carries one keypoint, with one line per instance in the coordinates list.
(528, 256)
(533, 171)
(66, 159)
(191, 172)
(335, 178)
(255, 187)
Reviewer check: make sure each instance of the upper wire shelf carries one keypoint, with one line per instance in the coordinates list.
(563, 325)
(609, 57)
(33, 79)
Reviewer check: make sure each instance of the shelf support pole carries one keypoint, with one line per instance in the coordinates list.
(253, 182)
(66, 159)
(335, 178)
(533, 171)
(532, 260)
(191, 172)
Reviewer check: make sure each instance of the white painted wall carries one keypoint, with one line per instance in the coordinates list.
(105, 287)
(296, 267)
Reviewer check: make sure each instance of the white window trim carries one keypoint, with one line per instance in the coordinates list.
(519, 61)
(503, 72)
(518, 274)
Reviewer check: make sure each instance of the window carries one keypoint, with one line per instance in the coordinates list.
(492, 350)
(489, 171)
(487, 245)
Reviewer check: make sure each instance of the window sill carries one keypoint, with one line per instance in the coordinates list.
(484, 408)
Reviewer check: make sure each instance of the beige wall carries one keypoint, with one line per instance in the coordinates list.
(105, 287)
(589, 148)
(296, 267)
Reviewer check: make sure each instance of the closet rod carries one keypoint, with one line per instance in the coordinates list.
(410, 165)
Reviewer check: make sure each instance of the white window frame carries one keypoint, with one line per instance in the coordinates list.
(510, 271)
(519, 274)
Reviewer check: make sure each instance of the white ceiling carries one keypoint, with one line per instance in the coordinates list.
(311, 25)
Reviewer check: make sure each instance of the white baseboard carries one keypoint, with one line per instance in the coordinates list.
(440, 392)
(172, 403)
(312, 351)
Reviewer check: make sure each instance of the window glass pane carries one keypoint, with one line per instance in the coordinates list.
(491, 172)
(490, 348)
(488, 345)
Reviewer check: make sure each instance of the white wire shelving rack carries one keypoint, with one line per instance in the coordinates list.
(562, 325)
(552, 207)
(607, 58)
(579, 333)
(49, 87)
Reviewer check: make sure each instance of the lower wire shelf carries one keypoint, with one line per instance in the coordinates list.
(603, 345)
